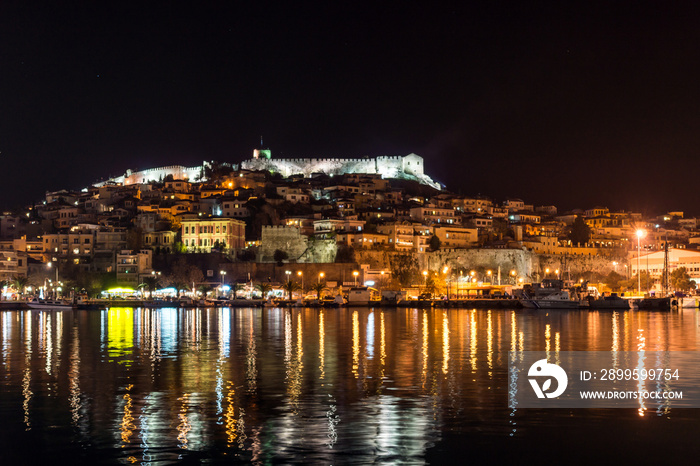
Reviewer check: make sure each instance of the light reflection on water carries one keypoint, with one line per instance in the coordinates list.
(314, 386)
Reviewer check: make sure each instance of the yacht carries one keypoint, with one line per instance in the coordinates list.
(560, 299)
(38, 303)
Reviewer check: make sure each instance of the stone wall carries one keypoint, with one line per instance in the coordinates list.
(284, 238)
(529, 265)
(300, 248)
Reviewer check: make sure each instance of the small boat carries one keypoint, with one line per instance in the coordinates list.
(86, 305)
(557, 300)
(609, 302)
(56, 304)
(269, 302)
(157, 303)
(689, 302)
(656, 304)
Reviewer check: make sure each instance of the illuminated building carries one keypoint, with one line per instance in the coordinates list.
(204, 234)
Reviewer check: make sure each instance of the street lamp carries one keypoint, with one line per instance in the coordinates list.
(50, 264)
(488, 272)
(512, 274)
(640, 233)
(425, 277)
(320, 276)
(355, 273)
(223, 274)
(301, 275)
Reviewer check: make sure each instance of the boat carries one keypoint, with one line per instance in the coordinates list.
(656, 304)
(359, 296)
(57, 304)
(608, 302)
(157, 303)
(689, 302)
(86, 305)
(269, 303)
(560, 299)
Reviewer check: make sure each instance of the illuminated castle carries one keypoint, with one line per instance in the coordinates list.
(409, 167)
(402, 167)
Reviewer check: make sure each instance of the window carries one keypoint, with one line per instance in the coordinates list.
(187, 230)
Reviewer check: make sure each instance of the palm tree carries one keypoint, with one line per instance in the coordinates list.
(19, 283)
(236, 288)
(204, 289)
(319, 288)
(290, 287)
(151, 284)
(179, 286)
(264, 288)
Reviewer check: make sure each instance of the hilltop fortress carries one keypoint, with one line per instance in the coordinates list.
(402, 167)
(409, 167)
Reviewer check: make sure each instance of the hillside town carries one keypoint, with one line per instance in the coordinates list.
(325, 223)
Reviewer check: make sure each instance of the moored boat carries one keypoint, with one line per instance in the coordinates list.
(57, 304)
(656, 304)
(560, 299)
(609, 302)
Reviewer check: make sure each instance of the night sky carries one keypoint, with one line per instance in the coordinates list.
(564, 103)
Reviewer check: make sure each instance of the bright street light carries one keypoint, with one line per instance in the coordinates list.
(640, 233)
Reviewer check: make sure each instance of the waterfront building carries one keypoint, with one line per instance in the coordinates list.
(131, 266)
(653, 263)
(204, 234)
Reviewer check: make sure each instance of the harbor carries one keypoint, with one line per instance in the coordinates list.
(234, 385)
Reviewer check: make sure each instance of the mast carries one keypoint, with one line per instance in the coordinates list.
(665, 275)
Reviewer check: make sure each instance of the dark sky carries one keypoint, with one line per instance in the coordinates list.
(567, 103)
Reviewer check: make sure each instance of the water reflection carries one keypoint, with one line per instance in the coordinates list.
(296, 385)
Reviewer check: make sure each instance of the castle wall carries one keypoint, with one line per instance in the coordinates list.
(410, 166)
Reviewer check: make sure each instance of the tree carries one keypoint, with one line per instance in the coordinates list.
(205, 290)
(579, 232)
(264, 289)
(430, 285)
(680, 280)
(246, 255)
(280, 256)
(290, 287)
(19, 283)
(613, 280)
(404, 268)
(434, 243)
(319, 288)
(236, 288)
(183, 273)
(644, 282)
(151, 284)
